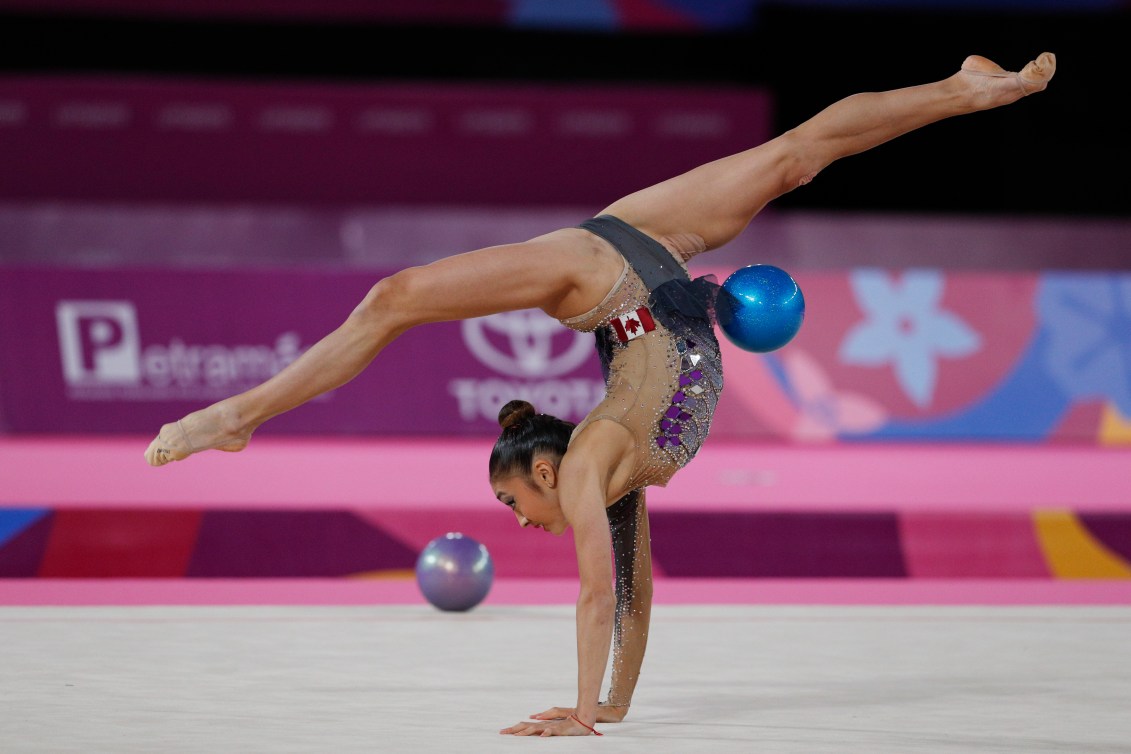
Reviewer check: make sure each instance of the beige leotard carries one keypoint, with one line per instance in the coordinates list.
(659, 353)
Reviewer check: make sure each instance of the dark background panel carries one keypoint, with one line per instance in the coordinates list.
(1061, 153)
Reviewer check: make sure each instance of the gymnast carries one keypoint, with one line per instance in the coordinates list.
(623, 276)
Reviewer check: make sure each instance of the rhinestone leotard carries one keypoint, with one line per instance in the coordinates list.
(662, 385)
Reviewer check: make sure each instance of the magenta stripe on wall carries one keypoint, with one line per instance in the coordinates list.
(144, 139)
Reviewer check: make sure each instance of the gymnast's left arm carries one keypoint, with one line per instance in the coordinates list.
(632, 551)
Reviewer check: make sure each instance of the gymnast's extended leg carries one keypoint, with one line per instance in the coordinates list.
(550, 272)
(716, 201)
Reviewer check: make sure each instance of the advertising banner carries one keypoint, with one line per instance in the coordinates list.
(128, 350)
(903, 355)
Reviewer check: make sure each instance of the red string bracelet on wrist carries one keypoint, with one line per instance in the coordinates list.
(595, 731)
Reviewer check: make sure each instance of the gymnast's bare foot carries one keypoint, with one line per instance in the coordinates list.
(208, 429)
(992, 86)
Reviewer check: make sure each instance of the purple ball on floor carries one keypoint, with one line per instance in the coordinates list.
(760, 308)
(454, 572)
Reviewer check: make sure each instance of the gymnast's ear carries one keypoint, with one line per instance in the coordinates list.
(544, 473)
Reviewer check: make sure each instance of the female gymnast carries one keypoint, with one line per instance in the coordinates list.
(623, 276)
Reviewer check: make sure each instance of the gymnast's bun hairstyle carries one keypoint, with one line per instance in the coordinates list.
(514, 413)
(527, 435)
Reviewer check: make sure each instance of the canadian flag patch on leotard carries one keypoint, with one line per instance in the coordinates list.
(633, 325)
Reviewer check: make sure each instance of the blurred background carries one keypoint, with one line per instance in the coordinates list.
(192, 192)
(1050, 160)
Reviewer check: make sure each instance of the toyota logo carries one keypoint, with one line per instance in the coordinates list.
(527, 343)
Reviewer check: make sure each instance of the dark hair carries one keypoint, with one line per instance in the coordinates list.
(526, 435)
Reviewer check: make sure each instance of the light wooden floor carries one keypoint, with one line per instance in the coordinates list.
(401, 678)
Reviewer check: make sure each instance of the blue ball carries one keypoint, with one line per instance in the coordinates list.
(760, 308)
(454, 572)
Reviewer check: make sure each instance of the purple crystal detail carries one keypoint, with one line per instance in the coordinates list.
(662, 441)
(673, 412)
(665, 424)
(684, 416)
(678, 397)
(676, 429)
(697, 374)
(691, 344)
(675, 441)
(684, 380)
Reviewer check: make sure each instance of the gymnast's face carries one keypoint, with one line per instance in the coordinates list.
(534, 498)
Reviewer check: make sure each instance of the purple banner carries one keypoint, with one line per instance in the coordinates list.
(191, 543)
(918, 354)
(126, 350)
(149, 140)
